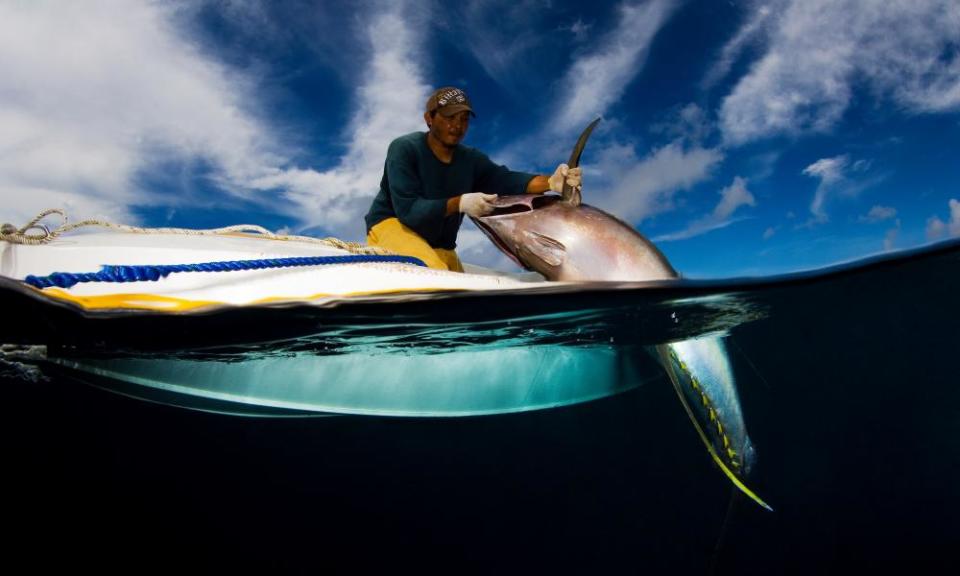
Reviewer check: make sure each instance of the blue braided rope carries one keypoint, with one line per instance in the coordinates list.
(153, 273)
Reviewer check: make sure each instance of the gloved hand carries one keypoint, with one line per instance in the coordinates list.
(477, 204)
(572, 176)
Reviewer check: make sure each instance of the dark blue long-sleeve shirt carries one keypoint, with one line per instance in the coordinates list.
(416, 186)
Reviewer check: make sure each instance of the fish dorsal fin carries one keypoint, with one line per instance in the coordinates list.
(544, 248)
(569, 194)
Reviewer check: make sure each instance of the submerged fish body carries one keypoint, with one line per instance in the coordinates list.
(700, 372)
(565, 240)
(702, 367)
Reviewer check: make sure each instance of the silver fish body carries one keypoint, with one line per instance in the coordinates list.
(572, 243)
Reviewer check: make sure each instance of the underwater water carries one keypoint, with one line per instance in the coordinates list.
(847, 381)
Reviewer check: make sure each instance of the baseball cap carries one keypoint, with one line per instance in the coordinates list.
(448, 101)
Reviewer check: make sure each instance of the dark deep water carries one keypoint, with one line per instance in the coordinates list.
(849, 389)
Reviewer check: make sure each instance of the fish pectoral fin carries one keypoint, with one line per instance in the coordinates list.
(544, 248)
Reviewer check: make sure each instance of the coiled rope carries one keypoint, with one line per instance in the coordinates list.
(154, 272)
(14, 235)
(359, 253)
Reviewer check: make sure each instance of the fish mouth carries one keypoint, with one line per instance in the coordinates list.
(507, 206)
(488, 231)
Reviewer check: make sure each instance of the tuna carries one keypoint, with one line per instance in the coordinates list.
(566, 240)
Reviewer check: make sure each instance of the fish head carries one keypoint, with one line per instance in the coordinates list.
(568, 242)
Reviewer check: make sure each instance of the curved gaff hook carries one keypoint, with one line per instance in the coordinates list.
(570, 194)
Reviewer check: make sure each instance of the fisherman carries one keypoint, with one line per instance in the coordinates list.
(430, 181)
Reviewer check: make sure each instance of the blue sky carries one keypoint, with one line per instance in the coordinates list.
(744, 138)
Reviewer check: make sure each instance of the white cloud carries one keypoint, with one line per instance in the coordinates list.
(578, 29)
(689, 122)
(90, 91)
(817, 50)
(731, 198)
(878, 214)
(390, 103)
(96, 94)
(501, 34)
(937, 228)
(830, 173)
(615, 178)
(890, 237)
(954, 227)
(598, 79)
(763, 165)
(594, 81)
(838, 177)
(640, 188)
(769, 232)
(733, 49)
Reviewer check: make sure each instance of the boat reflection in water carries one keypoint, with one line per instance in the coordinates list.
(460, 382)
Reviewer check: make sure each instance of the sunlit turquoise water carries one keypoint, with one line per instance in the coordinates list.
(848, 385)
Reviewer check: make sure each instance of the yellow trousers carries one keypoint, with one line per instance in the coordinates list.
(396, 237)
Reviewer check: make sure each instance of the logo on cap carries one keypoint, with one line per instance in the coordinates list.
(449, 100)
(453, 96)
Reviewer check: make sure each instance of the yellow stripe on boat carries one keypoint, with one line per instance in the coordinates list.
(129, 301)
(157, 303)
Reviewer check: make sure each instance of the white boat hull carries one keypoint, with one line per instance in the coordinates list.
(185, 291)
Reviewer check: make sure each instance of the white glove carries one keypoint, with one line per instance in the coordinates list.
(477, 204)
(572, 176)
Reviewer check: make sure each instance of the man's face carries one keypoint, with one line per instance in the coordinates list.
(449, 130)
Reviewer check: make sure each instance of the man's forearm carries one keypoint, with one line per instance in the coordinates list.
(538, 185)
(453, 205)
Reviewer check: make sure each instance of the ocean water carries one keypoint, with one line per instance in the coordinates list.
(847, 379)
